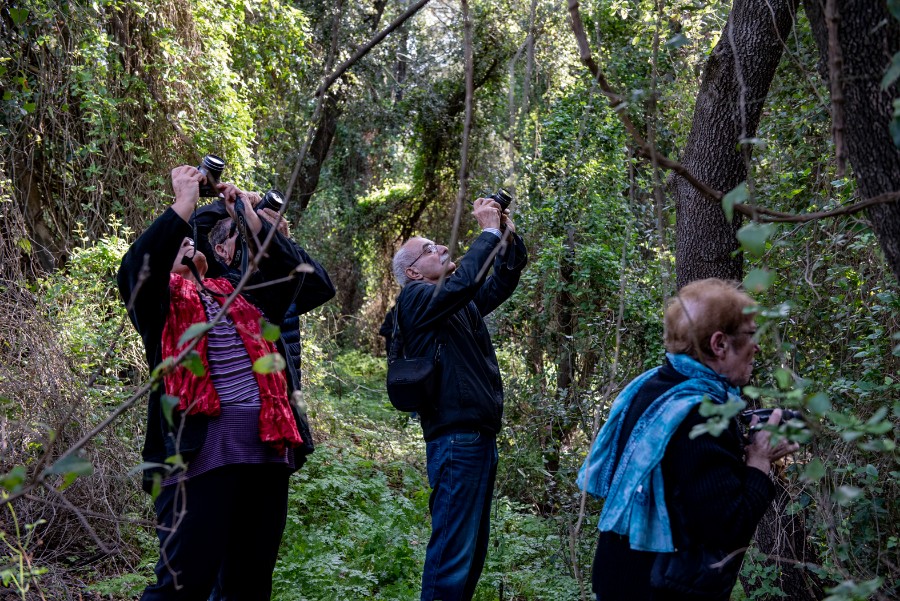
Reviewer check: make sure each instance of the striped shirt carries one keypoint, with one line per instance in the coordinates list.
(233, 436)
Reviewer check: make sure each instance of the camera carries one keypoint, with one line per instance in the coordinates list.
(502, 198)
(763, 414)
(273, 199)
(212, 167)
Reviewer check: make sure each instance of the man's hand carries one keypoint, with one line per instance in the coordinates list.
(230, 192)
(487, 212)
(280, 223)
(506, 222)
(760, 452)
(186, 182)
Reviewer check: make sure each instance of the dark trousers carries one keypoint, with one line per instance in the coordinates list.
(620, 573)
(462, 468)
(227, 528)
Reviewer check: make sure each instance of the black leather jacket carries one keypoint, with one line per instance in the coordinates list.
(471, 392)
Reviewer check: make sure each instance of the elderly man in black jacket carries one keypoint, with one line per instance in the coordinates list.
(444, 304)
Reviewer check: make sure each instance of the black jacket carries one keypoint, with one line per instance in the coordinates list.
(714, 499)
(471, 393)
(160, 244)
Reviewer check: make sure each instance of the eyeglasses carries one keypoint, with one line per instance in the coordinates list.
(427, 249)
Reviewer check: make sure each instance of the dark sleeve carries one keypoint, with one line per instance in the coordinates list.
(424, 306)
(508, 266)
(158, 245)
(276, 290)
(717, 499)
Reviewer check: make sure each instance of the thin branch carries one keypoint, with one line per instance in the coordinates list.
(619, 106)
(836, 83)
(467, 126)
(365, 48)
(765, 215)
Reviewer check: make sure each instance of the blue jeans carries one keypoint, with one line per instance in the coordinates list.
(462, 468)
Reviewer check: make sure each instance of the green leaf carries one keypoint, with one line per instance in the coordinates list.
(894, 7)
(270, 331)
(738, 195)
(13, 479)
(759, 280)
(18, 15)
(784, 377)
(195, 331)
(146, 465)
(156, 487)
(892, 73)
(194, 364)
(895, 131)
(845, 495)
(753, 237)
(815, 471)
(71, 466)
(819, 403)
(164, 367)
(169, 403)
(176, 460)
(269, 363)
(677, 41)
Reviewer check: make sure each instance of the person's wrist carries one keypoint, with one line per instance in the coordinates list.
(763, 465)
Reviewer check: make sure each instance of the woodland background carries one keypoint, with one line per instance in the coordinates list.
(784, 117)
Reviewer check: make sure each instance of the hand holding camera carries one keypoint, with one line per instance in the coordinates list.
(760, 453)
(487, 212)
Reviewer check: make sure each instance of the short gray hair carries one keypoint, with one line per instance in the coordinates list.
(401, 261)
(219, 232)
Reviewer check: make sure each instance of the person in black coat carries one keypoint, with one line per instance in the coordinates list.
(219, 442)
(443, 304)
(681, 504)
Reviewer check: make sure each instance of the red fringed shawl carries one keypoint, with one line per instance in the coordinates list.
(197, 393)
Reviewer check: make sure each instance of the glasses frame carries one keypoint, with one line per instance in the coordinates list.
(427, 249)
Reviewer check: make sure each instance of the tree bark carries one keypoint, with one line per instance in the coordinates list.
(868, 37)
(729, 104)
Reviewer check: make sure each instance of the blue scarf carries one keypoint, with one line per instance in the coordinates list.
(635, 498)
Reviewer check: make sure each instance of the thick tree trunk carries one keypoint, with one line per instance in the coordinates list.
(868, 37)
(729, 104)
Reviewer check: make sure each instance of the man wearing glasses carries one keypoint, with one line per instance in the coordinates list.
(444, 303)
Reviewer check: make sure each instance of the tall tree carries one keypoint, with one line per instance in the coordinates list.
(854, 56)
(727, 112)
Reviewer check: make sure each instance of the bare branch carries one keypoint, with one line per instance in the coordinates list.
(365, 48)
(765, 215)
(618, 105)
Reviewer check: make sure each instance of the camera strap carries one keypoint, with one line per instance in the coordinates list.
(189, 261)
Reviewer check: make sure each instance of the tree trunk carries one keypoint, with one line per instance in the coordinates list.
(729, 104)
(868, 37)
(332, 108)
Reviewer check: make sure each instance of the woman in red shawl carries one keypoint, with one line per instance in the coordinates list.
(220, 435)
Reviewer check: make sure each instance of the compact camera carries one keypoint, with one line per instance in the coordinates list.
(764, 414)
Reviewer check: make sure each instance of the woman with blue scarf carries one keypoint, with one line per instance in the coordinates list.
(679, 511)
